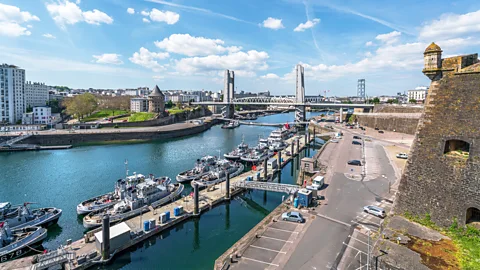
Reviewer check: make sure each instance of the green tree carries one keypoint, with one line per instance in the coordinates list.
(81, 105)
(376, 100)
(56, 105)
(29, 109)
(412, 100)
(169, 104)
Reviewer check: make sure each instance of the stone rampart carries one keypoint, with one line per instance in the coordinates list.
(403, 123)
(397, 108)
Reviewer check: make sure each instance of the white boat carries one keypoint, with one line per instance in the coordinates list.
(279, 135)
(236, 154)
(256, 155)
(219, 174)
(201, 168)
(231, 125)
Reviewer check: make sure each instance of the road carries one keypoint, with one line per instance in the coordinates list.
(322, 245)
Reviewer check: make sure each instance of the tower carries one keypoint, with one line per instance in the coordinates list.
(156, 101)
(361, 88)
(433, 62)
(300, 94)
(228, 93)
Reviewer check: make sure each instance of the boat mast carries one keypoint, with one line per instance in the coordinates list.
(126, 168)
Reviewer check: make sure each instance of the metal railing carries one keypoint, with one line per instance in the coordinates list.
(275, 187)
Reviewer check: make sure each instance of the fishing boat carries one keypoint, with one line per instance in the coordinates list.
(15, 243)
(219, 175)
(136, 200)
(231, 125)
(21, 216)
(111, 198)
(201, 168)
(240, 151)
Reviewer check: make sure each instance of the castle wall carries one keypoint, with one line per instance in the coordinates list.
(439, 184)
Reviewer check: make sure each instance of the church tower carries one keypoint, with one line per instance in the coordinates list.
(433, 62)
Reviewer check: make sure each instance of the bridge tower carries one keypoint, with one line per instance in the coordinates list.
(300, 94)
(361, 88)
(228, 94)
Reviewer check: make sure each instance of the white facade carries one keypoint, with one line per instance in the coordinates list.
(27, 119)
(36, 94)
(139, 105)
(42, 115)
(419, 94)
(12, 93)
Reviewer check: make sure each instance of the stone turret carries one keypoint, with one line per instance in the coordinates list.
(156, 101)
(433, 62)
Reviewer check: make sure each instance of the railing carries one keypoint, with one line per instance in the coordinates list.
(15, 140)
(275, 187)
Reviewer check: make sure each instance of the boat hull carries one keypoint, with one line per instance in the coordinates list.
(24, 246)
(203, 184)
(184, 178)
(83, 209)
(231, 157)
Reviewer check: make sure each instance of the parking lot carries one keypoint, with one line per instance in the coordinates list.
(271, 247)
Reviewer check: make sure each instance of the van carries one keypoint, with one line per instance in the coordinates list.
(317, 183)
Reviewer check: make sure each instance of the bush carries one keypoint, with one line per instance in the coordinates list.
(116, 126)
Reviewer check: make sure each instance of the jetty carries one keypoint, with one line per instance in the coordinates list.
(92, 250)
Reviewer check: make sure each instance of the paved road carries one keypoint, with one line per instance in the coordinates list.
(322, 245)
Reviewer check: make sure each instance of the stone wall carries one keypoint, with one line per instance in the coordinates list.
(407, 125)
(395, 108)
(443, 185)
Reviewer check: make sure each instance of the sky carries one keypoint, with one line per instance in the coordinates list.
(187, 44)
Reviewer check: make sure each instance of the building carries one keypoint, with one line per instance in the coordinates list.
(441, 176)
(36, 94)
(139, 92)
(419, 93)
(12, 93)
(27, 119)
(42, 115)
(156, 101)
(139, 104)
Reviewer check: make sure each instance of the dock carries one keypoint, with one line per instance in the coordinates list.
(84, 253)
(32, 147)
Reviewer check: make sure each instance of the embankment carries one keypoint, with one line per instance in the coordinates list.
(398, 122)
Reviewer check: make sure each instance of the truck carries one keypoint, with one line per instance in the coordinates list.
(317, 183)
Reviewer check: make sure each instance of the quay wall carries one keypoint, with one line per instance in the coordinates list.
(395, 108)
(389, 122)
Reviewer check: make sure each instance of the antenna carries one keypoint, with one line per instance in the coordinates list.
(126, 167)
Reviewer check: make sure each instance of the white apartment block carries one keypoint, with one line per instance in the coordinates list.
(42, 115)
(139, 105)
(36, 94)
(12, 93)
(419, 94)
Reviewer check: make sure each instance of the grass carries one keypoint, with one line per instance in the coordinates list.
(103, 114)
(467, 240)
(175, 110)
(141, 116)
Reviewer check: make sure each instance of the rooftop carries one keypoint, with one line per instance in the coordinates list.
(433, 48)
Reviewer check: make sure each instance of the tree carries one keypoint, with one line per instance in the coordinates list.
(412, 100)
(376, 100)
(29, 109)
(81, 105)
(393, 100)
(57, 106)
(114, 103)
(169, 104)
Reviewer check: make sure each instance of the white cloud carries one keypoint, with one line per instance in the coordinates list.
(11, 18)
(246, 61)
(451, 25)
(307, 25)
(162, 16)
(273, 23)
(145, 20)
(147, 59)
(108, 58)
(130, 11)
(270, 76)
(369, 43)
(194, 46)
(47, 35)
(389, 38)
(158, 77)
(78, 2)
(29, 26)
(69, 13)
(12, 29)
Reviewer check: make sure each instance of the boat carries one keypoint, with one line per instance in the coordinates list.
(231, 125)
(250, 117)
(19, 217)
(15, 243)
(277, 146)
(201, 168)
(137, 200)
(240, 151)
(218, 175)
(279, 135)
(111, 198)
(255, 155)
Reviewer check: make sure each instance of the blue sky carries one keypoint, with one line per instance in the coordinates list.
(186, 44)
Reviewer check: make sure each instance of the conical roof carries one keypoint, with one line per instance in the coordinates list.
(156, 92)
(433, 48)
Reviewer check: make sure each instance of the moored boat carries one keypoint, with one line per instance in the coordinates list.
(231, 125)
(201, 168)
(219, 174)
(15, 243)
(19, 217)
(255, 155)
(240, 151)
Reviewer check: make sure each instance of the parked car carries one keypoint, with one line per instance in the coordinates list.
(354, 162)
(334, 141)
(374, 210)
(125, 120)
(376, 128)
(356, 143)
(293, 216)
(380, 131)
(357, 137)
(402, 155)
(362, 128)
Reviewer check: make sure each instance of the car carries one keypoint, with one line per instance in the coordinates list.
(52, 129)
(374, 210)
(362, 128)
(293, 216)
(402, 155)
(356, 143)
(376, 128)
(125, 120)
(334, 141)
(357, 137)
(380, 131)
(354, 162)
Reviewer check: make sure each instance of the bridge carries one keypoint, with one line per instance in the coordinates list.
(299, 101)
(275, 187)
(10, 142)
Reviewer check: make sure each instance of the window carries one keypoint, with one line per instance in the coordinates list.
(457, 148)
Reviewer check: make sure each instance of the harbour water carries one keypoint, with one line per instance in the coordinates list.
(64, 178)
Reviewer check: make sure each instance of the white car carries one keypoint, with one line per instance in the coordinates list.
(402, 156)
(374, 210)
(334, 141)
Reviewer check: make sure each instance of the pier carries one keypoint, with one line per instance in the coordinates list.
(86, 252)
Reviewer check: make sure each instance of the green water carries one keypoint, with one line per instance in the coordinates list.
(64, 178)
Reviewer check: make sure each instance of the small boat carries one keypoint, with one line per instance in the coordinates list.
(137, 200)
(231, 125)
(15, 243)
(277, 146)
(111, 198)
(236, 154)
(219, 174)
(250, 117)
(201, 168)
(256, 155)
(19, 217)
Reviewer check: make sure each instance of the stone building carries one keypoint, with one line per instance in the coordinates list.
(442, 176)
(156, 101)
